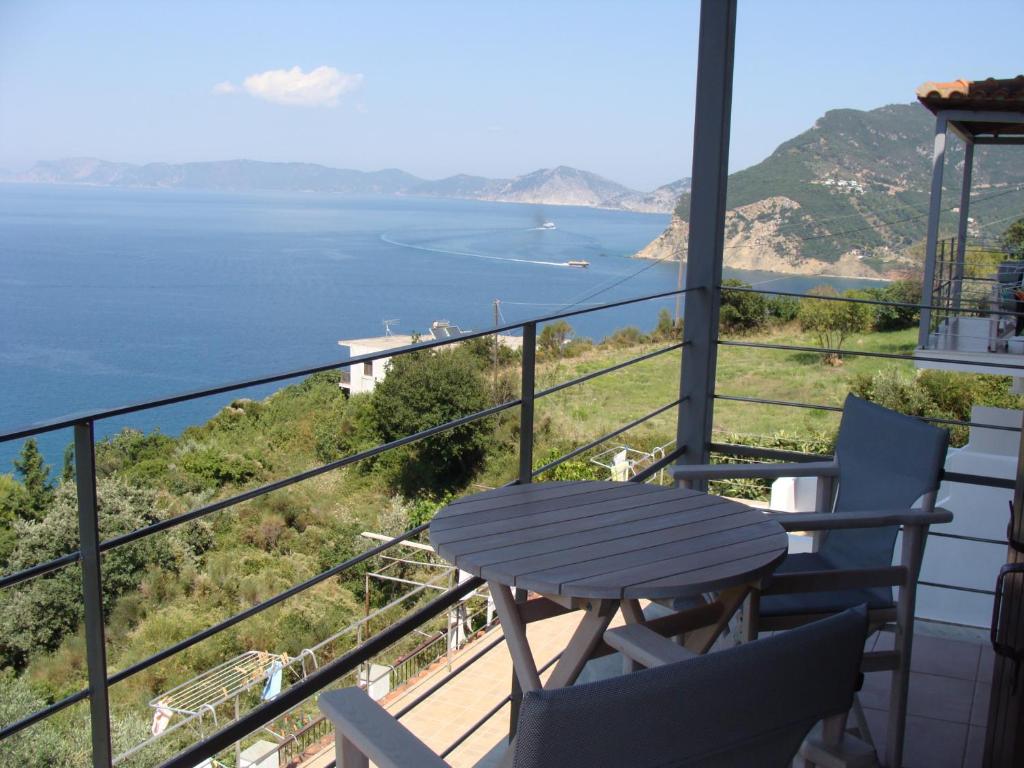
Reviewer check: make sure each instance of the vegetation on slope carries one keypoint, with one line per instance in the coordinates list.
(167, 587)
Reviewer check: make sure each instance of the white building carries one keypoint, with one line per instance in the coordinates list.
(363, 377)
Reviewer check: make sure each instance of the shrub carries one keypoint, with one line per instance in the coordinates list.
(553, 337)
(216, 468)
(667, 329)
(832, 322)
(742, 311)
(629, 336)
(821, 444)
(423, 390)
(783, 308)
(890, 318)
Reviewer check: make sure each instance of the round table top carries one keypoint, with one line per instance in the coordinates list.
(607, 539)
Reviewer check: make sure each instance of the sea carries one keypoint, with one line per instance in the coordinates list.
(111, 296)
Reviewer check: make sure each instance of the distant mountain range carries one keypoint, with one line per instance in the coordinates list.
(850, 196)
(549, 186)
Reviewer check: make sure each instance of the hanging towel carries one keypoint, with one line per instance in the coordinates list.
(161, 718)
(273, 685)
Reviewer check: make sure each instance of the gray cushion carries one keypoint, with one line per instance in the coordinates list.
(746, 706)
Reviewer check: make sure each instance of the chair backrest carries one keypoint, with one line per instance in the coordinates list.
(749, 705)
(886, 461)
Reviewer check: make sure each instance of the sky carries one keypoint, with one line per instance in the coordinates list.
(436, 88)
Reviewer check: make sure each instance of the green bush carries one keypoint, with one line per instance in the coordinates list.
(938, 394)
(783, 308)
(423, 390)
(832, 322)
(759, 489)
(742, 311)
(891, 318)
(216, 468)
(667, 329)
(553, 338)
(629, 336)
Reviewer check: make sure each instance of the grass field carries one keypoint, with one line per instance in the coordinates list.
(586, 411)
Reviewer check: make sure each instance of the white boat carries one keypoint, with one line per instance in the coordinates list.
(547, 225)
(578, 263)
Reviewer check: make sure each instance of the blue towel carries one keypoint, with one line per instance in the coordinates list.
(273, 685)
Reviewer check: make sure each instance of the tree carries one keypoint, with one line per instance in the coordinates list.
(894, 318)
(553, 337)
(13, 501)
(832, 321)
(423, 390)
(39, 614)
(742, 311)
(666, 329)
(1013, 238)
(67, 474)
(35, 476)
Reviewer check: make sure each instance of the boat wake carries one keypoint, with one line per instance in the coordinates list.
(392, 241)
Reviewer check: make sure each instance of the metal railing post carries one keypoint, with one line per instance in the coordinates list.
(961, 230)
(713, 112)
(932, 238)
(92, 593)
(529, 375)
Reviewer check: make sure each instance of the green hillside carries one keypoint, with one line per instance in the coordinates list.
(887, 152)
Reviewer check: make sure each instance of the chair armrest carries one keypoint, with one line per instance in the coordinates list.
(376, 734)
(645, 646)
(771, 471)
(831, 521)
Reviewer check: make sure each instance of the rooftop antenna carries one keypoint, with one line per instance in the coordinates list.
(387, 326)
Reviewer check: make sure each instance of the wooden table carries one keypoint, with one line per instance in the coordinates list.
(603, 546)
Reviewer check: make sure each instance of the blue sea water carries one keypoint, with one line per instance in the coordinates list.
(113, 296)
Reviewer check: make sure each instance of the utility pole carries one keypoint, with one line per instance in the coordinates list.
(679, 285)
(497, 316)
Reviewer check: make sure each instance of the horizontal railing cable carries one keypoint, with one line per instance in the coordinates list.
(608, 436)
(42, 714)
(309, 473)
(956, 588)
(618, 366)
(871, 302)
(318, 680)
(860, 353)
(39, 569)
(98, 415)
(775, 454)
(445, 680)
(490, 713)
(664, 461)
(260, 607)
(839, 409)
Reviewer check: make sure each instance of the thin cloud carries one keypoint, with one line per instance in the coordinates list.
(224, 88)
(320, 87)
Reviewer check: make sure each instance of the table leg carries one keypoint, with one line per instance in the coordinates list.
(515, 637)
(584, 640)
(632, 612)
(701, 640)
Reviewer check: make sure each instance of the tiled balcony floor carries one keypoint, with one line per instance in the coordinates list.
(950, 682)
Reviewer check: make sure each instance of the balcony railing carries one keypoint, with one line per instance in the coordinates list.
(92, 546)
